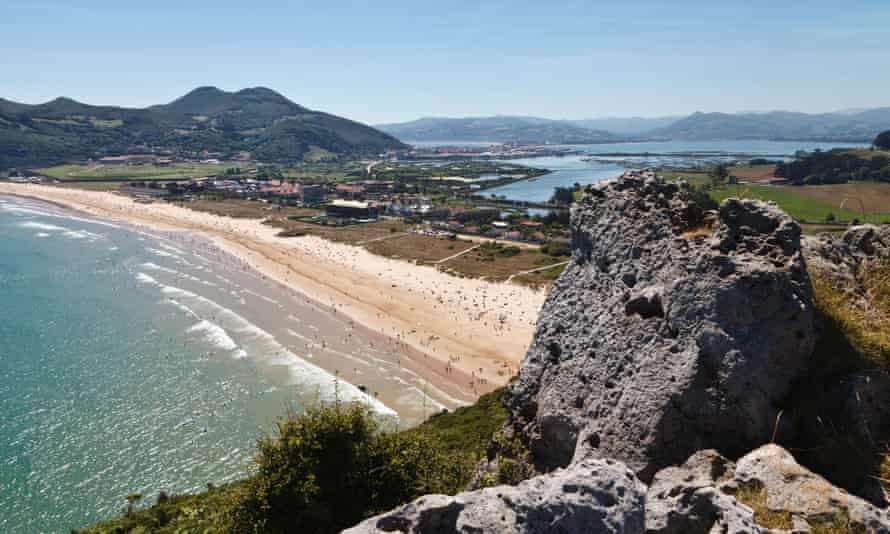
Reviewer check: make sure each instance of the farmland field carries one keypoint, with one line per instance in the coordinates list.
(802, 202)
(127, 172)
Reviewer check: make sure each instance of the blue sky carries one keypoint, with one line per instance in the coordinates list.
(394, 60)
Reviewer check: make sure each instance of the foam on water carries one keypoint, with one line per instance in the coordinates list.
(143, 278)
(215, 334)
(265, 348)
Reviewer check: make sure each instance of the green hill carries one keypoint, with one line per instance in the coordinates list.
(256, 120)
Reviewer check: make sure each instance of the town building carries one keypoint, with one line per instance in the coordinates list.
(351, 209)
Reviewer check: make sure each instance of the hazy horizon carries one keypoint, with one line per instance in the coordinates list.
(401, 61)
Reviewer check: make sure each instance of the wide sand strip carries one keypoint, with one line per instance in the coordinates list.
(470, 332)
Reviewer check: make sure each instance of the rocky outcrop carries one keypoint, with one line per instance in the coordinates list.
(688, 499)
(591, 496)
(709, 493)
(840, 258)
(665, 336)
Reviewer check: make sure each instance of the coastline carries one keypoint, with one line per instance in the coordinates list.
(469, 335)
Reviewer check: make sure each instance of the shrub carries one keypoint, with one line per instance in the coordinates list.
(508, 252)
(557, 248)
(330, 467)
(293, 232)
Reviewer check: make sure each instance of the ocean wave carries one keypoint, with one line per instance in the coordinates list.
(307, 378)
(161, 253)
(143, 278)
(43, 226)
(215, 334)
(156, 267)
(170, 248)
(28, 210)
(67, 232)
(182, 307)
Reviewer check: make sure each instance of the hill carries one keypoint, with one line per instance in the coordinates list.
(861, 126)
(631, 126)
(500, 129)
(256, 120)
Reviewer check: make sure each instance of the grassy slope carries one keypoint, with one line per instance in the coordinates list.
(464, 433)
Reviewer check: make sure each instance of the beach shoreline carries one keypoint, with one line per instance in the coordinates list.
(464, 335)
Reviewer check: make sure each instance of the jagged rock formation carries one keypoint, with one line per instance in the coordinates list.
(590, 496)
(703, 495)
(664, 337)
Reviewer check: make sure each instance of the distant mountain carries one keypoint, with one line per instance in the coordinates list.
(858, 126)
(629, 126)
(256, 120)
(500, 129)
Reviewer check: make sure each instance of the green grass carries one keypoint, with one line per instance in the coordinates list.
(797, 206)
(468, 430)
(866, 153)
(84, 172)
(695, 178)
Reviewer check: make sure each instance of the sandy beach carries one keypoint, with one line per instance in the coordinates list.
(466, 333)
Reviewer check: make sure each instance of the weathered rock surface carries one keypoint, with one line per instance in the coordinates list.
(792, 488)
(699, 496)
(840, 258)
(688, 499)
(662, 337)
(600, 496)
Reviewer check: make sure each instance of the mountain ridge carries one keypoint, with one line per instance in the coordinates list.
(852, 125)
(257, 120)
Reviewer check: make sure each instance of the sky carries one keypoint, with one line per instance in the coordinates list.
(391, 61)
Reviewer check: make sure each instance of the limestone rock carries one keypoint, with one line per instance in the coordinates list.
(688, 500)
(600, 496)
(793, 488)
(664, 337)
(839, 258)
(699, 496)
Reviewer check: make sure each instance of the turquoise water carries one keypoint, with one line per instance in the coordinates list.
(136, 362)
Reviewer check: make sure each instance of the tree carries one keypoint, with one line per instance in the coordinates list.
(563, 195)
(720, 173)
(882, 141)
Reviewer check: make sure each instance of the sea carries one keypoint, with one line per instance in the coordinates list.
(136, 360)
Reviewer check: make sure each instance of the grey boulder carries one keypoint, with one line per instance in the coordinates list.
(666, 334)
(700, 497)
(599, 496)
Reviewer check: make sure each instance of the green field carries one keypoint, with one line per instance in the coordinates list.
(799, 206)
(85, 172)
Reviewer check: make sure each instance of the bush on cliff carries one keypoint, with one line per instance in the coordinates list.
(332, 466)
